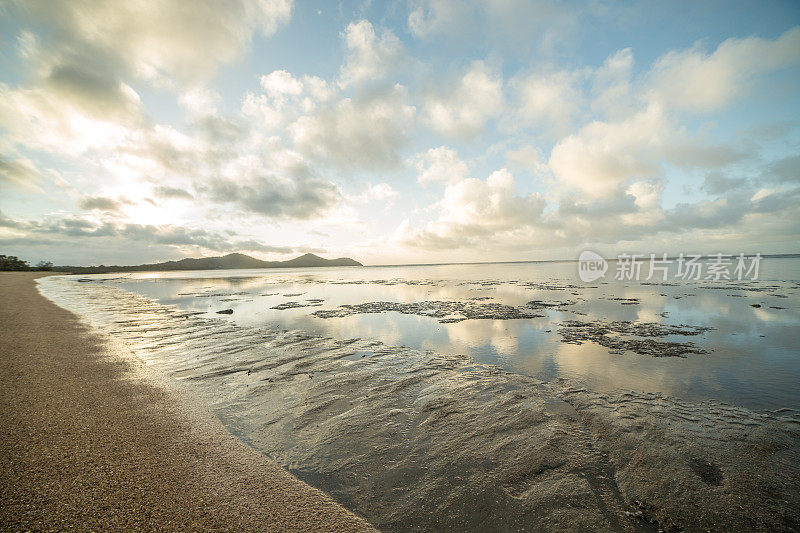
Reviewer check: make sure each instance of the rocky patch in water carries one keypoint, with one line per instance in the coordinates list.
(389, 282)
(540, 304)
(638, 337)
(212, 294)
(295, 305)
(625, 301)
(445, 311)
(553, 286)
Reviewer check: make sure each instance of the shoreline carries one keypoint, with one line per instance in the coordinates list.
(91, 439)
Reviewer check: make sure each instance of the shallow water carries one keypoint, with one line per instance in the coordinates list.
(502, 397)
(752, 359)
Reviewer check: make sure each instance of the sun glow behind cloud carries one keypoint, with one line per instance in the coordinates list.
(395, 132)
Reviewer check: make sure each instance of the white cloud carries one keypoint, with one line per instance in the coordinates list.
(762, 193)
(429, 17)
(474, 99)
(280, 84)
(647, 199)
(156, 39)
(19, 173)
(439, 164)
(362, 132)
(370, 56)
(698, 81)
(604, 155)
(612, 85)
(200, 101)
(516, 26)
(477, 212)
(549, 101)
(375, 192)
(490, 203)
(527, 158)
(100, 203)
(277, 197)
(51, 121)
(84, 56)
(285, 99)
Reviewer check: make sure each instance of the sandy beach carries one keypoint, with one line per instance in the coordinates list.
(90, 442)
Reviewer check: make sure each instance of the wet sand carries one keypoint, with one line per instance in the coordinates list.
(90, 440)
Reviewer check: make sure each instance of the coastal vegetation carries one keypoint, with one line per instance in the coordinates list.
(12, 262)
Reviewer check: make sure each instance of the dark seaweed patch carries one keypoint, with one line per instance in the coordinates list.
(445, 311)
(638, 337)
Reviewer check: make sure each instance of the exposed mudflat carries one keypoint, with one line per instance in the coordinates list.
(420, 440)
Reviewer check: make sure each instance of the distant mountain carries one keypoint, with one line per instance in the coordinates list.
(230, 261)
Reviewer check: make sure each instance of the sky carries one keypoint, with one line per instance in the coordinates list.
(394, 132)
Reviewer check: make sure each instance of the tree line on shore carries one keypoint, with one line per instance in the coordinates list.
(12, 262)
